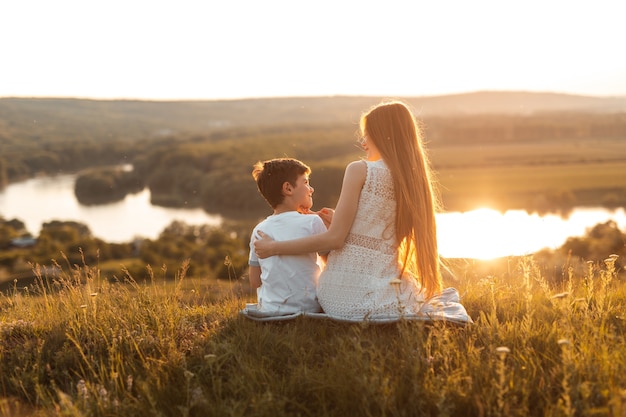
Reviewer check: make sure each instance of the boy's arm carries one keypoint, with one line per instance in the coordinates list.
(254, 274)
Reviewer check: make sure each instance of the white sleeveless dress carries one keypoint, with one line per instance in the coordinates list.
(360, 280)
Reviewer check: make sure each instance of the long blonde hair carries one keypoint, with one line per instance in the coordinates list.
(394, 130)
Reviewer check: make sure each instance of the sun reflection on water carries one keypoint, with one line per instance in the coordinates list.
(486, 234)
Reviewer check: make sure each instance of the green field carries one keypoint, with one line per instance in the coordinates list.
(589, 173)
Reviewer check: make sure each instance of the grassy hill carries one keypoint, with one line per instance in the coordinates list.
(79, 345)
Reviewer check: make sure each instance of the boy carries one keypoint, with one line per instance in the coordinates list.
(285, 284)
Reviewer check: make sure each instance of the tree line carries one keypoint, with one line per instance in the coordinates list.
(213, 252)
(218, 252)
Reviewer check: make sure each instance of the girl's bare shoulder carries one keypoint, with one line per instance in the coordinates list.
(356, 172)
(359, 166)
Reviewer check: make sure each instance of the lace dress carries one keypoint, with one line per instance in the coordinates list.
(360, 279)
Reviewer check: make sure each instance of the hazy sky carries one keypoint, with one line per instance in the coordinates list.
(213, 49)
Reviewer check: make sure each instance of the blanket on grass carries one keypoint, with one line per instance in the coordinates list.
(443, 307)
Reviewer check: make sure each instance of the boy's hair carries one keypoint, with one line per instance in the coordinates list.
(270, 176)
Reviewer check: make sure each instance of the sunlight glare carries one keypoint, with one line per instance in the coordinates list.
(487, 234)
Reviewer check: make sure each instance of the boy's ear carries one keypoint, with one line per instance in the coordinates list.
(287, 188)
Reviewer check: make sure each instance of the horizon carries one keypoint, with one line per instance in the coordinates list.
(192, 51)
(468, 93)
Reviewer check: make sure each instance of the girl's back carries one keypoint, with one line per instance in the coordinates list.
(360, 280)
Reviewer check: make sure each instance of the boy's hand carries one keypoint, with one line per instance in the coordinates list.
(327, 215)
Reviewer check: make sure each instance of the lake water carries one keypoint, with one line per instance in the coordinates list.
(481, 233)
(40, 200)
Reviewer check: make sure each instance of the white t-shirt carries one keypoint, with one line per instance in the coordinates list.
(288, 283)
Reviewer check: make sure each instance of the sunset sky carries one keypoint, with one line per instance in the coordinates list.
(215, 49)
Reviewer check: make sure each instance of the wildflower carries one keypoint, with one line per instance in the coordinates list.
(102, 392)
(81, 387)
(563, 342)
(197, 395)
(93, 294)
(503, 350)
(83, 306)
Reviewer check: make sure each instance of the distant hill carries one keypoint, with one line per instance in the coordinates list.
(502, 102)
(99, 119)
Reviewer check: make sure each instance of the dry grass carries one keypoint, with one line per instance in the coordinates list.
(77, 344)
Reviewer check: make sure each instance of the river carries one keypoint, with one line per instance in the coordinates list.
(481, 233)
(42, 199)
